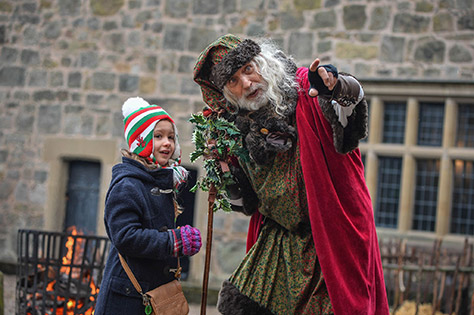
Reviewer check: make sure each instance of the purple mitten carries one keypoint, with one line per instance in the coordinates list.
(186, 241)
(191, 240)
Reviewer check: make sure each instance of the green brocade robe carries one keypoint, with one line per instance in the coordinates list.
(281, 271)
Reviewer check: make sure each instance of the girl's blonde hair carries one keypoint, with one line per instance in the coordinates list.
(145, 161)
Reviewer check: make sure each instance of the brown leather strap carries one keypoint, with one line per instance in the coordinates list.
(130, 274)
(132, 278)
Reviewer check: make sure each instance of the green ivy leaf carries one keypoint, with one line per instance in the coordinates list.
(215, 139)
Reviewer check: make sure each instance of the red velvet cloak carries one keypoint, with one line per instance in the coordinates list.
(340, 212)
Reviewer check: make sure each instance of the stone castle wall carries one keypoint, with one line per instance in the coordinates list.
(66, 66)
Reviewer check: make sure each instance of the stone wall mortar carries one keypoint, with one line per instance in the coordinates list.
(66, 67)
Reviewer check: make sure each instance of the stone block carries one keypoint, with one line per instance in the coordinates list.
(8, 55)
(307, 4)
(177, 8)
(255, 30)
(208, 6)
(56, 79)
(12, 76)
(3, 156)
(128, 83)
(430, 51)
(52, 30)
(106, 8)
(291, 20)
(175, 37)
(229, 6)
(74, 80)
(409, 23)
(170, 84)
(301, 45)
(379, 18)
(147, 85)
(200, 38)
(49, 119)
(43, 95)
(352, 51)
(69, 7)
(115, 42)
(103, 81)
(189, 87)
(325, 19)
(459, 53)
(38, 78)
(89, 59)
(354, 17)
(392, 49)
(466, 22)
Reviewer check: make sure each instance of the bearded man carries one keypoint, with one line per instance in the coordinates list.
(312, 243)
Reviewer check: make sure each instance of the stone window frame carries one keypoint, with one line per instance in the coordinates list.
(413, 93)
(58, 151)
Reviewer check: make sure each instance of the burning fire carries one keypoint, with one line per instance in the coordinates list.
(71, 268)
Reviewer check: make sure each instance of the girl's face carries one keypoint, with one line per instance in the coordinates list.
(163, 142)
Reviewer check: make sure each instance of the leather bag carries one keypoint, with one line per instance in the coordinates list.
(167, 299)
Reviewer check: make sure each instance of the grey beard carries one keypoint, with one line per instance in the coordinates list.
(255, 104)
(289, 96)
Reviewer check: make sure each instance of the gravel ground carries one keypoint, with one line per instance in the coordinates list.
(9, 299)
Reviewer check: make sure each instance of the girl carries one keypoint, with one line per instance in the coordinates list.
(140, 210)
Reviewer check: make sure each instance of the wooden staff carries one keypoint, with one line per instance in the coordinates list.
(210, 219)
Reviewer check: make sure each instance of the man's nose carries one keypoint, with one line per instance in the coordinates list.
(246, 82)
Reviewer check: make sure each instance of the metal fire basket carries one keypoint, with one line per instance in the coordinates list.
(58, 273)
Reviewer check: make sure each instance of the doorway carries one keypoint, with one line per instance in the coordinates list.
(82, 196)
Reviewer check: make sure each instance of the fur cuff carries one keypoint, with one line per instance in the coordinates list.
(346, 139)
(232, 302)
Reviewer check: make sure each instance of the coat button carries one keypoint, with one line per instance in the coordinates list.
(155, 191)
(127, 291)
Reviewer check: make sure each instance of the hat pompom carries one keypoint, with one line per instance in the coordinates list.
(132, 105)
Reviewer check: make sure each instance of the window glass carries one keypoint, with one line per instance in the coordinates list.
(426, 194)
(462, 214)
(394, 122)
(465, 132)
(430, 128)
(388, 192)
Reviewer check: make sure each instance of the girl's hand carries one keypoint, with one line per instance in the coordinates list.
(186, 241)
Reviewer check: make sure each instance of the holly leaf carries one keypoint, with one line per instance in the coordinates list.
(216, 140)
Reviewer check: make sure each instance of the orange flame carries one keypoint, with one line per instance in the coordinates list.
(71, 244)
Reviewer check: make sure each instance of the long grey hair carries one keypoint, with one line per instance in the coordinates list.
(278, 72)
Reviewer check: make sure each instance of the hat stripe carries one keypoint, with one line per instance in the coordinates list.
(135, 117)
(145, 109)
(146, 122)
(141, 122)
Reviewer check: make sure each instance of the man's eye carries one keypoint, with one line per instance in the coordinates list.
(232, 82)
(248, 69)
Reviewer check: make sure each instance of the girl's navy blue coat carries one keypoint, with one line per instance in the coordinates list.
(137, 217)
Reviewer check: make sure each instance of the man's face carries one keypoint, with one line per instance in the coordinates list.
(247, 88)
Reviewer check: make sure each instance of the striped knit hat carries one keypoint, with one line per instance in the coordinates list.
(140, 119)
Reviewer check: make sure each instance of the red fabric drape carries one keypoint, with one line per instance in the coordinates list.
(254, 228)
(341, 214)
